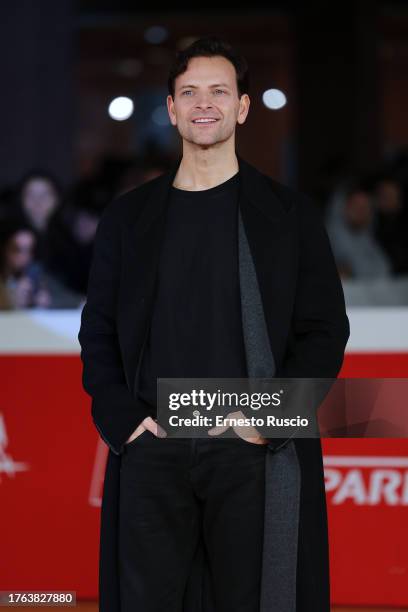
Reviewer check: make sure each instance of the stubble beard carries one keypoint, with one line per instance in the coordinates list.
(205, 142)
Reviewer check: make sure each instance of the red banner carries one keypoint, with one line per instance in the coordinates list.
(52, 467)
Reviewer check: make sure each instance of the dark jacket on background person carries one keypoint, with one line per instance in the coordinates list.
(300, 330)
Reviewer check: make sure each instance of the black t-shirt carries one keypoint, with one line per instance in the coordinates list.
(196, 326)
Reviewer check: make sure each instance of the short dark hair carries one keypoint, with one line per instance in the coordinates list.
(210, 46)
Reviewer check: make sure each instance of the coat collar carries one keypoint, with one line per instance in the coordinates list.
(257, 190)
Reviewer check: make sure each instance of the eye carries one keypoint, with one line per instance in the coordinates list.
(217, 91)
(186, 91)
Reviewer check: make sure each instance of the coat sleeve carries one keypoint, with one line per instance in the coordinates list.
(115, 411)
(320, 327)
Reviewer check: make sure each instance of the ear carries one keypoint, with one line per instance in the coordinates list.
(171, 110)
(243, 108)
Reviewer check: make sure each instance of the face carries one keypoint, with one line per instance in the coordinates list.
(85, 226)
(206, 106)
(358, 210)
(19, 251)
(39, 201)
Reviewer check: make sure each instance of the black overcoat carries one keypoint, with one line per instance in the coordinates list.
(294, 277)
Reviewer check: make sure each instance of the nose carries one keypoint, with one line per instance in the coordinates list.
(203, 101)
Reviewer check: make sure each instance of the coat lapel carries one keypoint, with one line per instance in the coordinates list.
(259, 357)
(268, 224)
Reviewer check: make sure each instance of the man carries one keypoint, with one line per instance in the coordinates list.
(210, 270)
(351, 230)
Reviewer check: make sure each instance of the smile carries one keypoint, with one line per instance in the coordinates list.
(205, 120)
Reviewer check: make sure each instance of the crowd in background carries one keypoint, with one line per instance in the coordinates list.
(47, 233)
(367, 222)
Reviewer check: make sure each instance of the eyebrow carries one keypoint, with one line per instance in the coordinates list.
(214, 85)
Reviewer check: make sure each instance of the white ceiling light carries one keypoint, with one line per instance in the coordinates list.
(274, 98)
(121, 108)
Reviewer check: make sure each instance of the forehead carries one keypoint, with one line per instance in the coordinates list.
(208, 71)
(359, 197)
(23, 237)
(38, 183)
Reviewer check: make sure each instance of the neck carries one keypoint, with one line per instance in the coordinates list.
(202, 168)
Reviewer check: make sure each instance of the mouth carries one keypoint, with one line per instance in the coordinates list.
(204, 120)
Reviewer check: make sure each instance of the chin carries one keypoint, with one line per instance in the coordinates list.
(202, 139)
(202, 142)
(206, 143)
(209, 139)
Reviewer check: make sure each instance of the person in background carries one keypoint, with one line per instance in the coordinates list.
(21, 281)
(38, 197)
(391, 221)
(350, 227)
(71, 235)
(25, 282)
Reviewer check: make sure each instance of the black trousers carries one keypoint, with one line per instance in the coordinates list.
(171, 491)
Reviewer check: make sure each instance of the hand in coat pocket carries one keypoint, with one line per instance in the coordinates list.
(151, 425)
